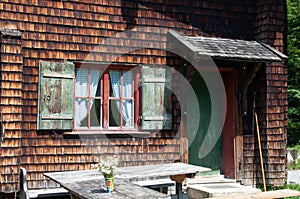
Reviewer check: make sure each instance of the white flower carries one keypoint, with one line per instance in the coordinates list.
(108, 167)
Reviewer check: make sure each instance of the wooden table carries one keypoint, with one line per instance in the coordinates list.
(87, 183)
(95, 189)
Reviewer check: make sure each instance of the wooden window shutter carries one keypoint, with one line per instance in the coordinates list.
(56, 93)
(156, 98)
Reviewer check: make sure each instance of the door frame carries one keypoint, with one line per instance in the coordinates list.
(229, 150)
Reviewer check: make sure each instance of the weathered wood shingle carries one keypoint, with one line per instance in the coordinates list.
(69, 30)
(11, 117)
(224, 48)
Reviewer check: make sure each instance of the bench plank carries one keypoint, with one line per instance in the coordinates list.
(44, 193)
(26, 193)
(155, 183)
(265, 195)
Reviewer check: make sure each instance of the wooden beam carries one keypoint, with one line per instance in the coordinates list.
(253, 73)
(245, 86)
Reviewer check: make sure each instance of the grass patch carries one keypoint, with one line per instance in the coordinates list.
(294, 166)
(296, 147)
(297, 165)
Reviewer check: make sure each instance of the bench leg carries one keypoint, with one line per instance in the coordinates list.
(24, 194)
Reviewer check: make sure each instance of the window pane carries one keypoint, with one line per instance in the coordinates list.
(114, 114)
(95, 83)
(114, 83)
(127, 113)
(81, 82)
(127, 84)
(87, 107)
(81, 107)
(95, 117)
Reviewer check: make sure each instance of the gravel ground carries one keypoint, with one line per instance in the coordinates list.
(293, 177)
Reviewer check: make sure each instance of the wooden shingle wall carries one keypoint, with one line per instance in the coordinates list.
(11, 67)
(252, 166)
(272, 101)
(70, 30)
(251, 162)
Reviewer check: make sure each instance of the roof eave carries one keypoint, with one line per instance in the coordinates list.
(193, 52)
(275, 51)
(177, 45)
(244, 59)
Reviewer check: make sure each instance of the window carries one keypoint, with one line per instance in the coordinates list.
(104, 100)
(121, 100)
(83, 98)
(88, 98)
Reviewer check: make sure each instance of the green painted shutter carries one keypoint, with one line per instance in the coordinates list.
(156, 98)
(56, 93)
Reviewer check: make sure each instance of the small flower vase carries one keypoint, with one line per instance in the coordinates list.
(109, 184)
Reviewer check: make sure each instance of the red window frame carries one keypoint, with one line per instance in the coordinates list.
(105, 95)
(88, 98)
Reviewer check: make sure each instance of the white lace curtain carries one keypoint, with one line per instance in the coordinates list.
(81, 90)
(127, 105)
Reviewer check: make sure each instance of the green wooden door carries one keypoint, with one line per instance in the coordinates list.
(197, 132)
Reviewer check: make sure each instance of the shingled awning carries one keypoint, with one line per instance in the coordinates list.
(221, 48)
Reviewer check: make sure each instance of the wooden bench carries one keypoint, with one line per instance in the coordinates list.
(38, 193)
(160, 185)
(265, 195)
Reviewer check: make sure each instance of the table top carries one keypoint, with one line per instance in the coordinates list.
(134, 173)
(94, 189)
(87, 183)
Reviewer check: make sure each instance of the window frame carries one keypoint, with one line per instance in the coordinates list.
(105, 98)
(88, 97)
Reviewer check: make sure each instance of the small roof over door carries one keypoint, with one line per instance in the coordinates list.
(197, 47)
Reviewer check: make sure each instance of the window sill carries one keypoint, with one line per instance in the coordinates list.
(109, 133)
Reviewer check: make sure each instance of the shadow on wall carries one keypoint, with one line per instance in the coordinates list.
(217, 18)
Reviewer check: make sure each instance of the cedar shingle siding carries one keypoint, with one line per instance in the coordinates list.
(57, 31)
(270, 27)
(11, 108)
